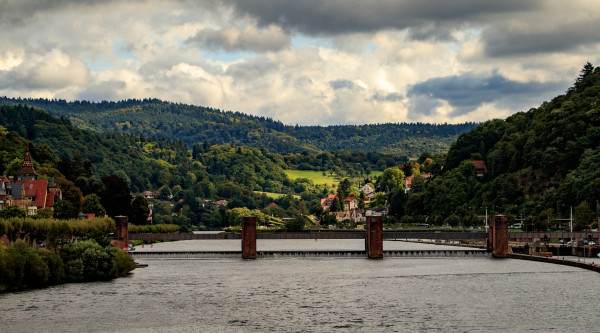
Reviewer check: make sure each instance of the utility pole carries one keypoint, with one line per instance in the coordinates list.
(571, 219)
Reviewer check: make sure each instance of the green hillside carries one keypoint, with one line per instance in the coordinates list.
(244, 176)
(541, 162)
(196, 124)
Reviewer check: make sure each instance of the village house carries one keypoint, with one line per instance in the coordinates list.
(28, 192)
(350, 203)
(480, 167)
(350, 208)
(410, 178)
(368, 191)
(326, 202)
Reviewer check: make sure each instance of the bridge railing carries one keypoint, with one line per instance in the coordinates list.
(442, 235)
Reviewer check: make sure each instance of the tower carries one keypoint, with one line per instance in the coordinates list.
(27, 172)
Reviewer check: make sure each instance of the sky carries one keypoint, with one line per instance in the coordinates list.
(317, 62)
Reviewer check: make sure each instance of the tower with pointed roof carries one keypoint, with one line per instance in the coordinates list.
(27, 172)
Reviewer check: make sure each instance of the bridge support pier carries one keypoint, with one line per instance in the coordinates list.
(374, 237)
(498, 236)
(121, 232)
(249, 237)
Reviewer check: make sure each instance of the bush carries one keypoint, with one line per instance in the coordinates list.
(24, 267)
(296, 224)
(88, 261)
(123, 262)
(155, 228)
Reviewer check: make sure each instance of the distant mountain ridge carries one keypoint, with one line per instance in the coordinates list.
(194, 124)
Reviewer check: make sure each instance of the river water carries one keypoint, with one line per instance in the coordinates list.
(316, 295)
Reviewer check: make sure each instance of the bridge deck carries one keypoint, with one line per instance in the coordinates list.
(409, 234)
(302, 253)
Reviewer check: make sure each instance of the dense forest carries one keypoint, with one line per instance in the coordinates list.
(542, 163)
(195, 124)
(82, 160)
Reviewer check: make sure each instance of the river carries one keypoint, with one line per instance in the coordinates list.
(316, 295)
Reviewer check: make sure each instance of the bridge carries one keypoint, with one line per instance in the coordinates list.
(373, 236)
(494, 241)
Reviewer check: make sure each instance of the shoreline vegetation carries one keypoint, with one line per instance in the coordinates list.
(73, 251)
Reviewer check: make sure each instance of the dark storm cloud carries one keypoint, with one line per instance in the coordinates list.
(504, 41)
(466, 92)
(18, 12)
(424, 19)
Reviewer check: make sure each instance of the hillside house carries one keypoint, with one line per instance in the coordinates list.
(480, 167)
(368, 191)
(410, 178)
(326, 202)
(350, 203)
(28, 192)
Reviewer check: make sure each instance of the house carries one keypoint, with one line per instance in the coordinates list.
(148, 194)
(28, 192)
(480, 167)
(350, 203)
(376, 212)
(355, 215)
(326, 202)
(410, 178)
(368, 191)
(223, 203)
(271, 205)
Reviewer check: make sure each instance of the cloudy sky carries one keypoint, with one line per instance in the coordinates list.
(303, 62)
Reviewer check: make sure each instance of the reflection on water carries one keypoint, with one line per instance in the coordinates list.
(316, 295)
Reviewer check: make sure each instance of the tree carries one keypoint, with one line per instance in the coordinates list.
(296, 224)
(139, 210)
(71, 193)
(115, 198)
(391, 180)
(344, 189)
(335, 206)
(12, 211)
(583, 216)
(91, 204)
(63, 210)
(361, 200)
(45, 213)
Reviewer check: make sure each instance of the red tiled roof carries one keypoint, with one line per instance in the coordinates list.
(38, 190)
(480, 165)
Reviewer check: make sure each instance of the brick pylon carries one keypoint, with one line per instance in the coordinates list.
(249, 237)
(374, 237)
(499, 236)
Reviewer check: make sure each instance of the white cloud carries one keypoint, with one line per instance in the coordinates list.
(300, 62)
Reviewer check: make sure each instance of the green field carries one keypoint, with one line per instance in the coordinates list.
(318, 178)
(276, 195)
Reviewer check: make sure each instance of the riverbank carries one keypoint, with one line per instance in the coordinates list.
(592, 266)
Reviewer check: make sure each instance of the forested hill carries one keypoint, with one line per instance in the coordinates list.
(543, 160)
(195, 124)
